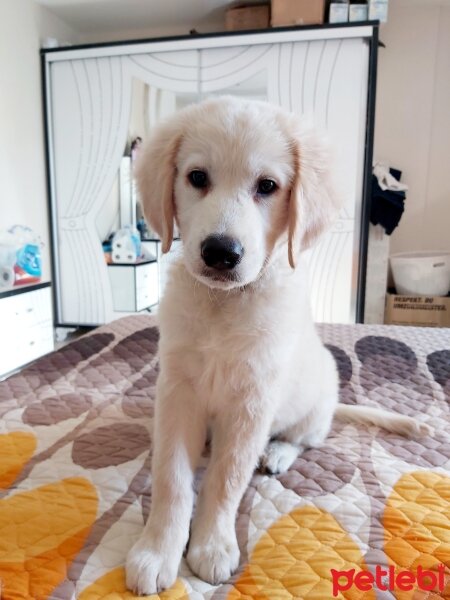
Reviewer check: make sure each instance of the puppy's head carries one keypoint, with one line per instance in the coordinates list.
(238, 178)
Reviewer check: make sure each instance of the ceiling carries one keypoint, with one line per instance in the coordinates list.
(87, 16)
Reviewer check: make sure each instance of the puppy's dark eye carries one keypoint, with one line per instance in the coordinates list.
(199, 179)
(266, 187)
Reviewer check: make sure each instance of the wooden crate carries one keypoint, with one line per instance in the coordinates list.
(247, 17)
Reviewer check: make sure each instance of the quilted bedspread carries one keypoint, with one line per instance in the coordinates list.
(75, 477)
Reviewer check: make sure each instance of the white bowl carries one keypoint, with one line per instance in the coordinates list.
(421, 273)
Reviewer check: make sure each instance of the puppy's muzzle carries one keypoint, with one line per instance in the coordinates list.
(221, 252)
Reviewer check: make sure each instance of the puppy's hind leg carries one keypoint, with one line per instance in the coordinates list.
(321, 395)
(278, 456)
(281, 452)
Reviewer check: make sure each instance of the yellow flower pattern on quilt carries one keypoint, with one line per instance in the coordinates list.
(417, 527)
(72, 497)
(16, 449)
(111, 586)
(294, 557)
(42, 530)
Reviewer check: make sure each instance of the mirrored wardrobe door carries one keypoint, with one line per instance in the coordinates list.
(161, 84)
(90, 102)
(238, 70)
(100, 107)
(325, 82)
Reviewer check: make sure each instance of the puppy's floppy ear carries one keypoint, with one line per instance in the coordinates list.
(314, 201)
(155, 177)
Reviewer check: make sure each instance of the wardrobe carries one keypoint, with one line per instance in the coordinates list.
(98, 97)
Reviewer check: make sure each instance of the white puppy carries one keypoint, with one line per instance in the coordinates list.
(249, 188)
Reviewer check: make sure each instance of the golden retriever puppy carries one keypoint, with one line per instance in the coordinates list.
(249, 188)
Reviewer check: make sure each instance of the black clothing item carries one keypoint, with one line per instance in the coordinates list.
(387, 205)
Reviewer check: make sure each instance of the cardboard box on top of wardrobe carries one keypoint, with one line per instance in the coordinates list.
(239, 18)
(286, 13)
(418, 311)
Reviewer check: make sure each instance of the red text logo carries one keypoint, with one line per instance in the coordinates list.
(388, 579)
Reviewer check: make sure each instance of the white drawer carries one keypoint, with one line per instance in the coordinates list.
(9, 308)
(28, 308)
(146, 286)
(146, 275)
(39, 341)
(134, 287)
(146, 296)
(26, 328)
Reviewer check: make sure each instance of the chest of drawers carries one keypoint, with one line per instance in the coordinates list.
(26, 326)
(134, 287)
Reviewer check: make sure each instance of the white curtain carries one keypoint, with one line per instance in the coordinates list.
(91, 107)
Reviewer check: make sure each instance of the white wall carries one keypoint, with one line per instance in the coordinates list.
(23, 198)
(413, 118)
(148, 32)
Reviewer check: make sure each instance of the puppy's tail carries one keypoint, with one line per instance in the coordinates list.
(383, 418)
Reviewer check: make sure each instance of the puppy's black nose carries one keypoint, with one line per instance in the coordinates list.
(221, 252)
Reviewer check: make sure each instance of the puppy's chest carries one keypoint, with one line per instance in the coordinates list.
(226, 353)
(225, 340)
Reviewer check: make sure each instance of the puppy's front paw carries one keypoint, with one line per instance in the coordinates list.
(214, 561)
(149, 571)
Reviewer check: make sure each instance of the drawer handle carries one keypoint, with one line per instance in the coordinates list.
(30, 310)
(32, 343)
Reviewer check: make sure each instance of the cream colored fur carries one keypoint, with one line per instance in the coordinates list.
(240, 358)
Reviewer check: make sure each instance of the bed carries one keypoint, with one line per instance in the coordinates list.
(75, 476)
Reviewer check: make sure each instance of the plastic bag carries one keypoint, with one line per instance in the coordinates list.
(20, 257)
(126, 245)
